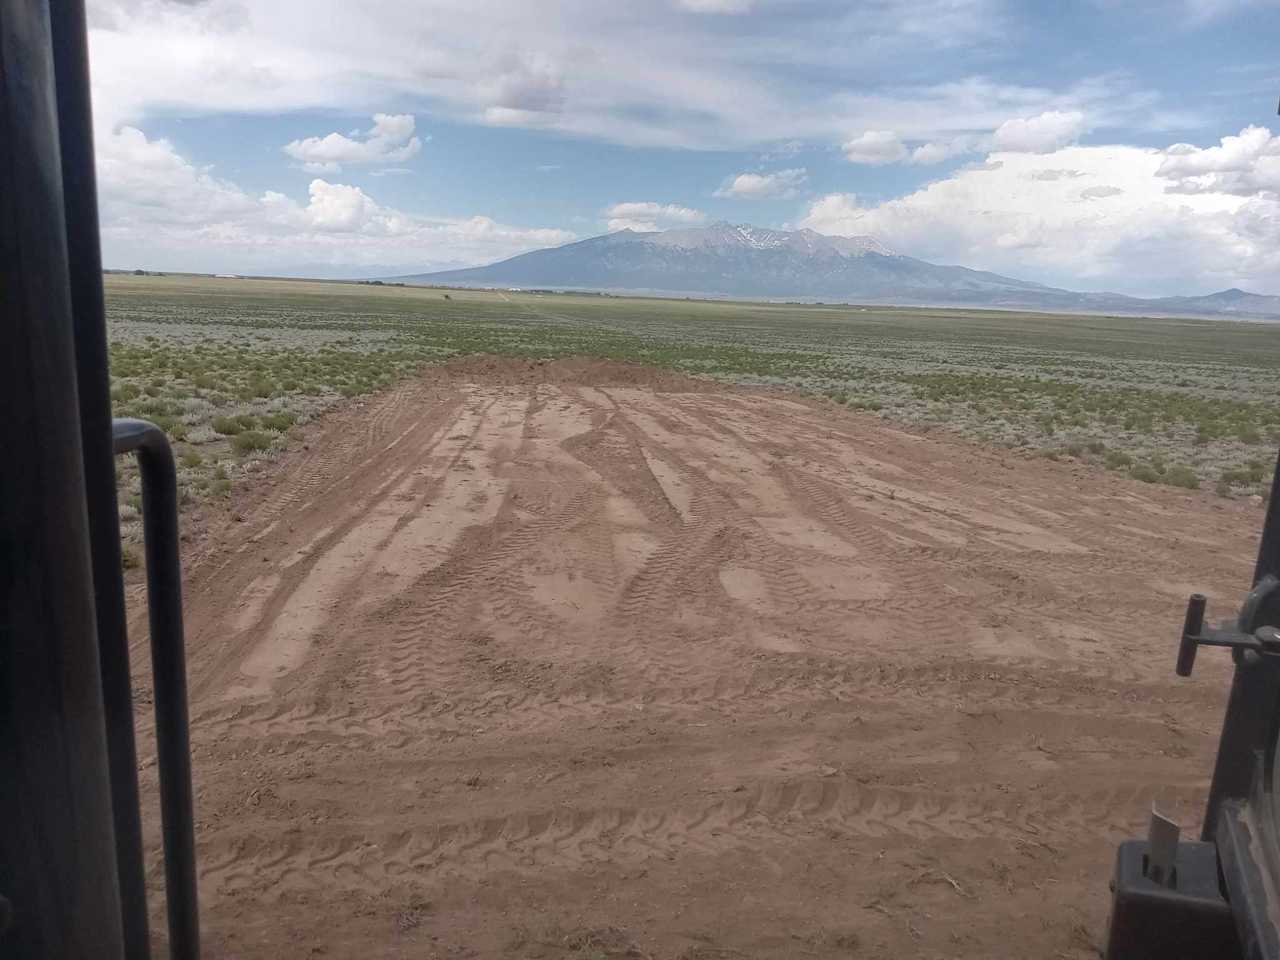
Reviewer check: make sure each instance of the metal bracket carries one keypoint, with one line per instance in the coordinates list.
(1246, 634)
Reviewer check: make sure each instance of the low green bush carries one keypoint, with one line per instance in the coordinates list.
(1182, 476)
(277, 421)
(1145, 472)
(1117, 460)
(250, 441)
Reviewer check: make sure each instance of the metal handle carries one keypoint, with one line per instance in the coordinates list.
(1191, 628)
(168, 666)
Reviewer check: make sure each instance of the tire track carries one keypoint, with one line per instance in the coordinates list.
(764, 815)
(677, 642)
(960, 686)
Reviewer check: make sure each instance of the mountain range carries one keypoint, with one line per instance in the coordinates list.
(744, 261)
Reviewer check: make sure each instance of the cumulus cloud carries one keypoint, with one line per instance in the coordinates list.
(1021, 213)
(144, 183)
(1040, 134)
(927, 154)
(160, 210)
(875, 147)
(752, 186)
(1244, 165)
(389, 141)
(336, 206)
(646, 216)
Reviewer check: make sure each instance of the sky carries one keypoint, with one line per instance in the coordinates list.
(1123, 145)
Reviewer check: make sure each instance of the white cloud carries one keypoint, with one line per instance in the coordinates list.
(930, 153)
(781, 183)
(1054, 174)
(1101, 216)
(664, 211)
(646, 74)
(1043, 132)
(937, 151)
(716, 6)
(159, 210)
(1245, 165)
(389, 141)
(1040, 134)
(336, 206)
(145, 182)
(646, 216)
(875, 147)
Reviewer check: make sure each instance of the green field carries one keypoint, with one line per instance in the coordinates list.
(229, 366)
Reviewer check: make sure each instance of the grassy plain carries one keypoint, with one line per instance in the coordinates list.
(230, 366)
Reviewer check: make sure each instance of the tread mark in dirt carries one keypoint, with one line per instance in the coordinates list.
(766, 814)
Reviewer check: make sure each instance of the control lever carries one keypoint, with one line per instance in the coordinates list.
(1244, 635)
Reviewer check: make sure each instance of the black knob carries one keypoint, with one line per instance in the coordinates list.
(1268, 638)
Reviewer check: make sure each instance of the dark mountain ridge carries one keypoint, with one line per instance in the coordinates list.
(743, 261)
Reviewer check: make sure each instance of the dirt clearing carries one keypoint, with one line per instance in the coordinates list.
(583, 660)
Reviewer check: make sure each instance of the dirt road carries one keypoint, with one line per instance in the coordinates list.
(583, 660)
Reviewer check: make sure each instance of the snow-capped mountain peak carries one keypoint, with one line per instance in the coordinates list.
(723, 235)
(742, 260)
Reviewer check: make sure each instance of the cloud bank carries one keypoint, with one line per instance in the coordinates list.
(1109, 217)
(160, 211)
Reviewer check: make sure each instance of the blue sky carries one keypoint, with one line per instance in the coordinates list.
(1099, 144)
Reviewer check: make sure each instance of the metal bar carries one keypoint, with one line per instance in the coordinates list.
(169, 671)
(1230, 644)
(57, 849)
(1191, 628)
(84, 262)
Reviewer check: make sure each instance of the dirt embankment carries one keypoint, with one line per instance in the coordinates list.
(583, 659)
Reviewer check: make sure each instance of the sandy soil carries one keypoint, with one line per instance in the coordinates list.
(584, 660)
